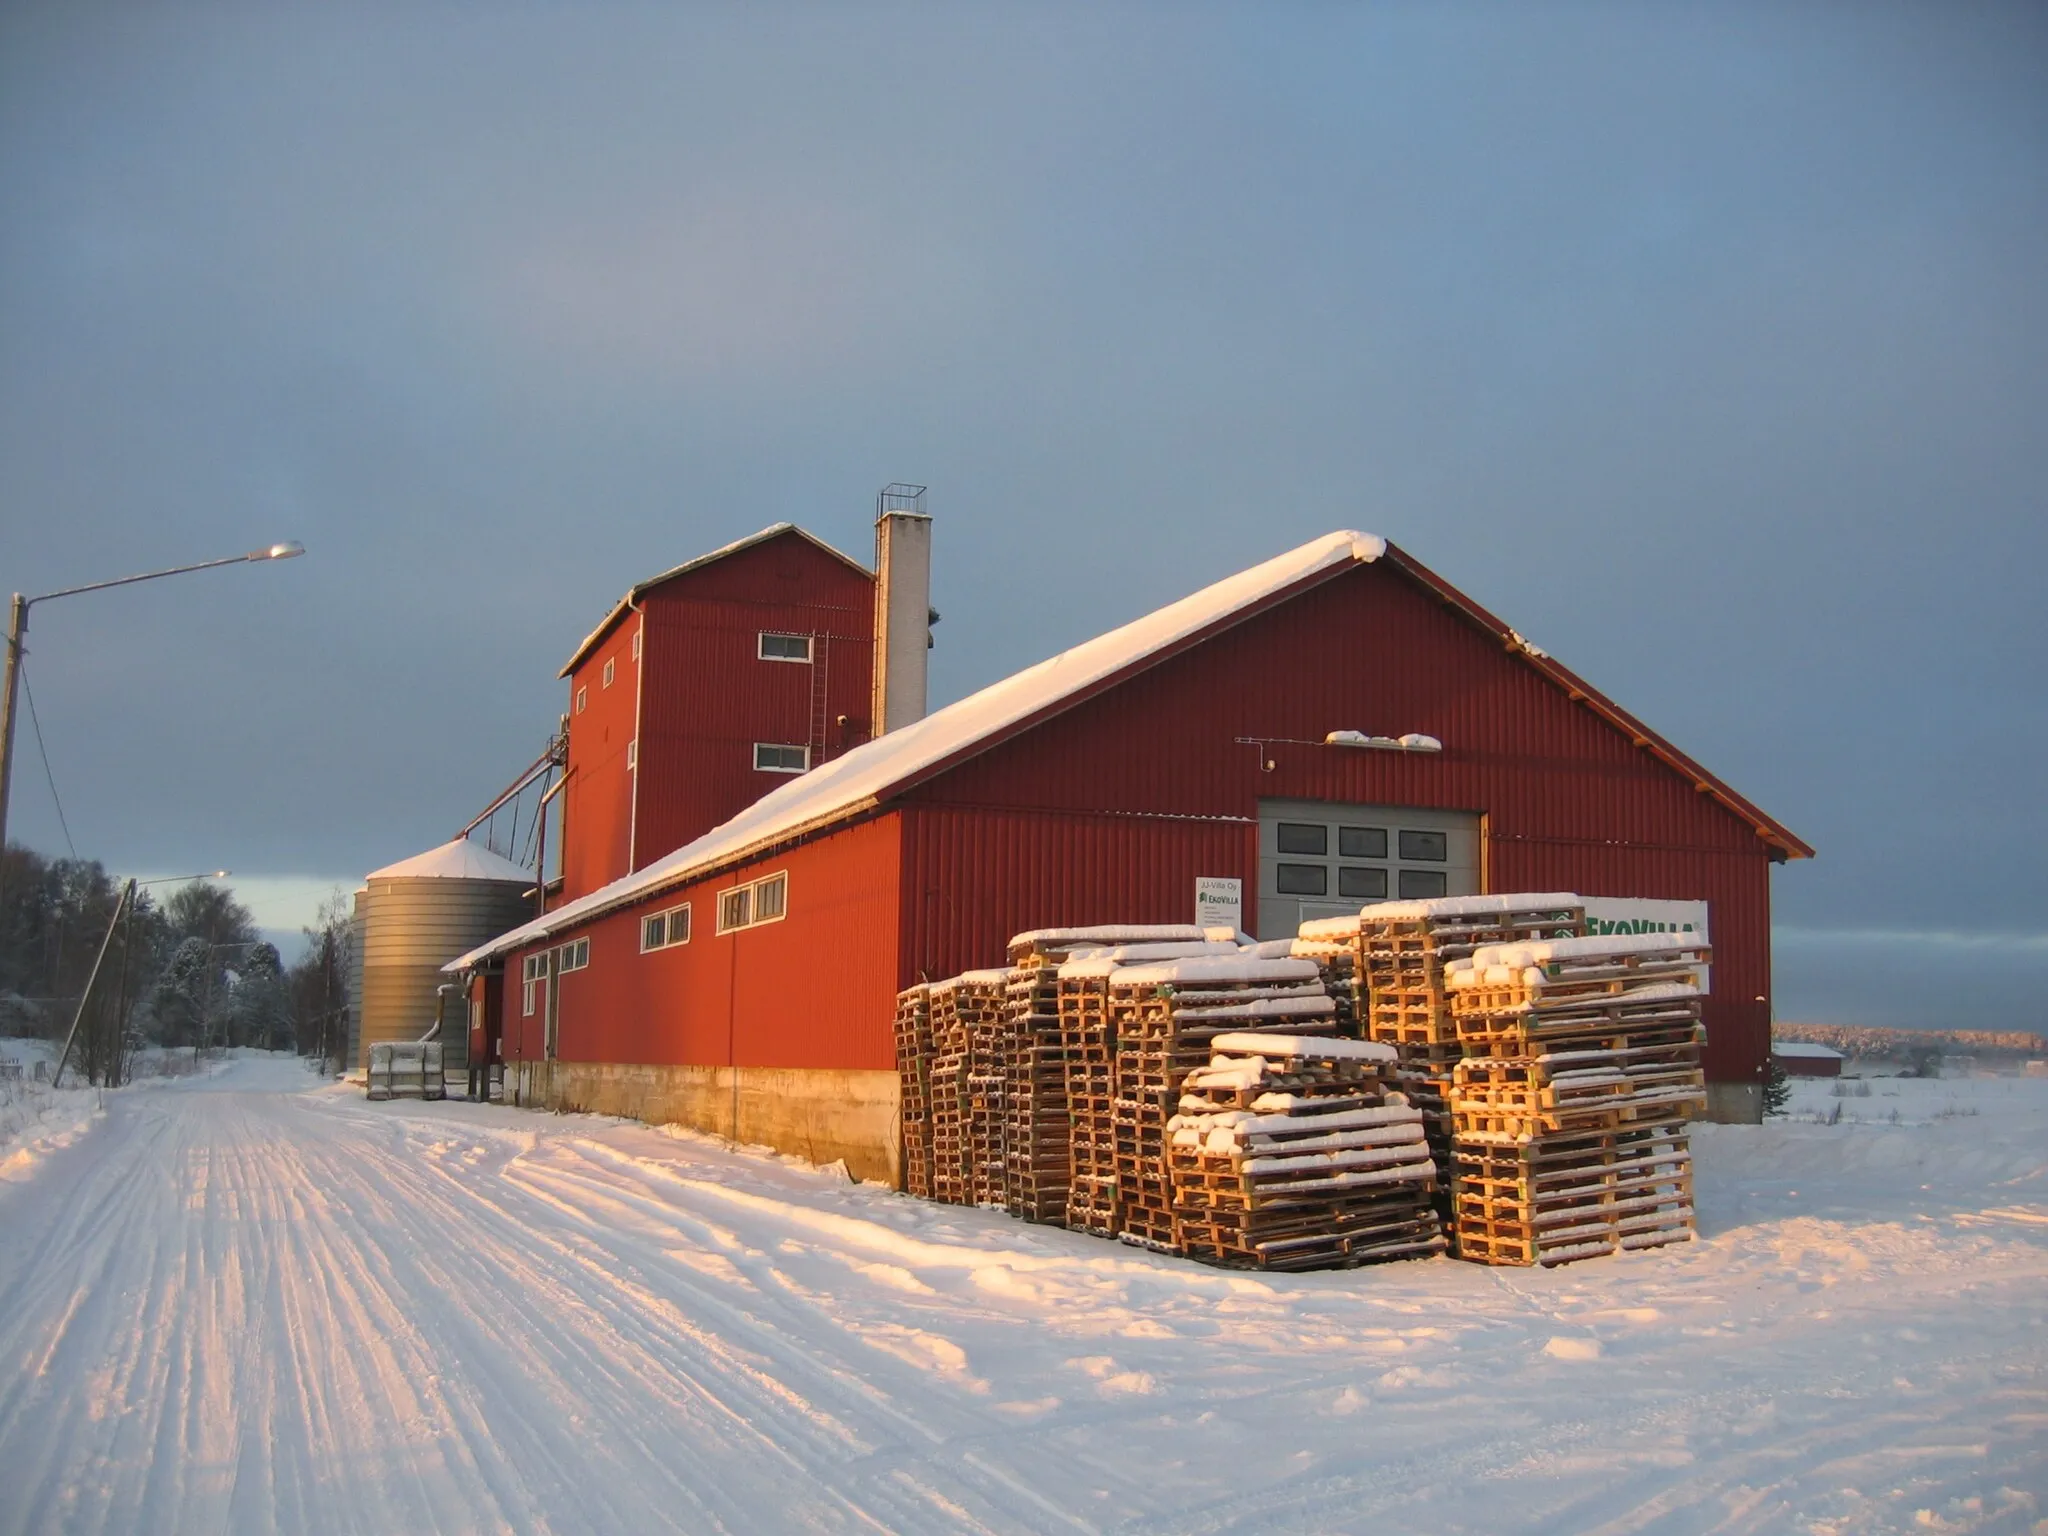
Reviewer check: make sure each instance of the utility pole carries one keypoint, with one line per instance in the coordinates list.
(85, 997)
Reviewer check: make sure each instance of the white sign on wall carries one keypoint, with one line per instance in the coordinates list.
(1219, 902)
(1631, 914)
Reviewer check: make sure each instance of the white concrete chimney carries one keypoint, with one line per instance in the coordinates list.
(903, 591)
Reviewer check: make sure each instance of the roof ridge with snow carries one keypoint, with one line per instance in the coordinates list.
(860, 778)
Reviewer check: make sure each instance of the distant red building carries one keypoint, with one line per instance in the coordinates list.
(1798, 1059)
(744, 982)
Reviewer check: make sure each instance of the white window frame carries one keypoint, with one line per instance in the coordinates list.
(780, 746)
(668, 916)
(572, 956)
(752, 890)
(582, 699)
(533, 969)
(633, 753)
(611, 669)
(636, 645)
(762, 638)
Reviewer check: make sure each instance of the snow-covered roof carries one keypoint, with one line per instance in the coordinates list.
(862, 777)
(1809, 1052)
(459, 860)
(772, 531)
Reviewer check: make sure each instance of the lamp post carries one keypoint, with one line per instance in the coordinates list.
(17, 629)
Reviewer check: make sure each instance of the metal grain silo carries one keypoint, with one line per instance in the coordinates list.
(414, 917)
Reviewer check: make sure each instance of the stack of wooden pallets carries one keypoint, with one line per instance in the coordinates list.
(1399, 953)
(913, 1073)
(1582, 1065)
(981, 1000)
(1165, 1015)
(1338, 962)
(1089, 1046)
(1037, 1155)
(946, 1111)
(1293, 1152)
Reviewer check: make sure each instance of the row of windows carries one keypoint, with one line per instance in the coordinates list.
(659, 930)
(572, 956)
(746, 906)
(1359, 884)
(1362, 842)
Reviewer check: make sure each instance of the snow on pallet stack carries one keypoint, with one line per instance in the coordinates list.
(947, 1094)
(1166, 1014)
(1582, 1063)
(1291, 1152)
(981, 1000)
(1399, 953)
(913, 1070)
(1089, 1044)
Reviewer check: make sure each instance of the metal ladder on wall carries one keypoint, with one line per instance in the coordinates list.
(821, 695)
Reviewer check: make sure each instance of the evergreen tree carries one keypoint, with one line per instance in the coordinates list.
(179, 1000)
(260, 1007)
(1777, 1090)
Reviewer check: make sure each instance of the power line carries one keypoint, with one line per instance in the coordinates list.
(44, 752)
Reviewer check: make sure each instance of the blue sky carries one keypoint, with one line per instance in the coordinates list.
(1708, 346)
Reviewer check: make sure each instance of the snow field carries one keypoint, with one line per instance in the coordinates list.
(240, 1305)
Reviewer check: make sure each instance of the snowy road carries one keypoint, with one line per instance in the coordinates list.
(236, 1305)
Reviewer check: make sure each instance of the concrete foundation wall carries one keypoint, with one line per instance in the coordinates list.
(820, 1114)
(1735, 1103)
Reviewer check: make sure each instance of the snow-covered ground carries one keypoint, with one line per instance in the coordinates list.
(240, 1303)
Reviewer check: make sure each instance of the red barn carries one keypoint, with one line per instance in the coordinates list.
(744, 983)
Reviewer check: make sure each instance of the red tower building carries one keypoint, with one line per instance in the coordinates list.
(704, 688)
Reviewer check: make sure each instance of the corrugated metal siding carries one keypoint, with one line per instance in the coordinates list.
(709, 697)
(973, 877)
(816, 989)
(597, 811)
(1568, 801)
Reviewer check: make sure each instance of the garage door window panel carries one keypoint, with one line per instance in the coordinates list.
(1303, 837)
(1303, 880)
(1362, 884)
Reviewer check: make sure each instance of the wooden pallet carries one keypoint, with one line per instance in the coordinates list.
(913, 1036)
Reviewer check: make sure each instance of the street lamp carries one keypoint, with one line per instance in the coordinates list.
(17, 629)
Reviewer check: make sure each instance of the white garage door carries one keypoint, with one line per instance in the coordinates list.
(1319, 859)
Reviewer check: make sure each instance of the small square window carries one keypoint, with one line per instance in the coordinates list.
(1362, 884)
(769, 896)
(654, 931)
(1303, 880)
(781, 757)
(611, 668)
(1304, 837)
(1361, 842)
(582, 700)
(774, 647)
(1429, 847)
(636, 645)
(633, 753)
(1419, 884)
(733, 908)
(679, 924)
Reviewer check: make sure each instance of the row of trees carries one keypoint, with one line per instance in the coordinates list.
(190, 970)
